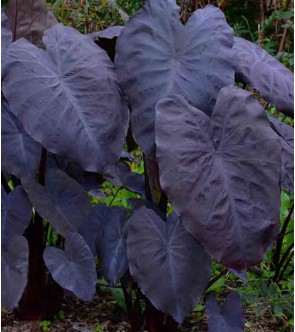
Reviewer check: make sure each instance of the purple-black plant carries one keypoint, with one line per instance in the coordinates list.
(209, 150)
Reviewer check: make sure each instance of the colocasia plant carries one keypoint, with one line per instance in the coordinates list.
(211, 154)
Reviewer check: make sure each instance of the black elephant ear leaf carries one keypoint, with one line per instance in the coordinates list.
(73, 116)
(14, 271)
(29, 19)
(20, 153)
(254, 66)
(73, 269)
(112, 244)
(6, 34)
(286, 134)
(62, 202)
(121, 175)
(92, 228)
(230, 169)
(16, 212)
(229, 317)
(166, 262)
(165, 57)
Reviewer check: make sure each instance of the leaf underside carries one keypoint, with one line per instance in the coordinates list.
(254, 66)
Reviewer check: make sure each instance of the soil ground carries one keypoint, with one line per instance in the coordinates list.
(104, 312)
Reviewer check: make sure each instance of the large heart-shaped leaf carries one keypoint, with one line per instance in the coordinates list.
(29, 19)
(14, 271)
(16, 212)
(62, 202)
(70, 101)
(254, 66)
(229, 317)
(20, 153)
(112, 244)
(222, 176)
(165, 57)
(171, 268)
(105, 233)
(73, 269)
(286, 134)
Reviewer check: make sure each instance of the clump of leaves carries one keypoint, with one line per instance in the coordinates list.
(214, 164)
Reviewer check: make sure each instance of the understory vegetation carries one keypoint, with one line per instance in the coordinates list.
(132, 191)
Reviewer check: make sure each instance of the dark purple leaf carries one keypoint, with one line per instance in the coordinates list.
(165, 57)
(29, 19)
(14, 271)
(20, 153)
(112, 244)
(266, 74)
(92, 228)
(6, 34)
(171, 268)
(131, 180)
(222, 176)
(229, 317)
(16, 212)
(109, 33)
(286, 134)
(73, 269)
(137, 203)
(70, 101)
(62, 202)
(107, 39)
(88, 180)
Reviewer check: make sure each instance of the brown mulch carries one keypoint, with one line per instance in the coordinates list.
(103, 311)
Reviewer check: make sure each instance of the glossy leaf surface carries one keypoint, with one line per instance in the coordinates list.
(222, 175)
(286, 134)
(226, 318)
(157, 55)
(71, 102)
(20, 153)
(171, 268)
(73, 269)
(16, 212)
(14, 271)
(254, 66)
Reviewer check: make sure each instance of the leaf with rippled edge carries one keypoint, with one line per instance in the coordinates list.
(73, 269)
(226, 318)
(275, 83)
(157, 55)
(14, 271)
(16, 212)
(20, 153)
(171, 268)
(62, 202)
(70, 101)
(222, 174)
(286, 134)
(29, 19)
